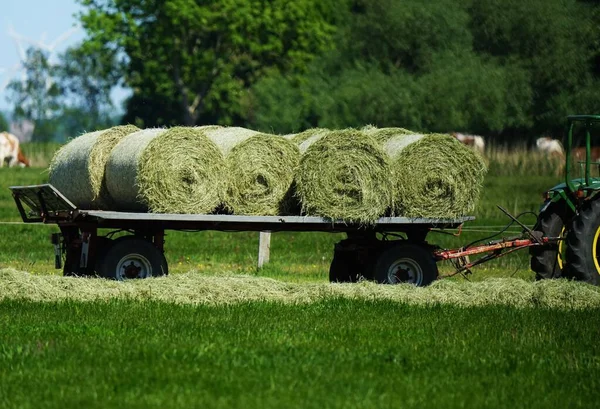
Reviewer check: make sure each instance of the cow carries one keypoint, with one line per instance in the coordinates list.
(10, 151)
(550, 147)
(579, 154)
(474, 141)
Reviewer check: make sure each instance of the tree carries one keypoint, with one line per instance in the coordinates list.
(197, 59)
(86, 80)
(3, 123)
(37, 98)
(556, 41)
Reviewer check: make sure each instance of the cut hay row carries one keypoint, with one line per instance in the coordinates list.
(434, 175)
(176, 170)
(343, 175)
(198, 289)
(77, 169)
(260, 169)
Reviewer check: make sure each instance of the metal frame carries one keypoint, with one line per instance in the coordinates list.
(52, 207)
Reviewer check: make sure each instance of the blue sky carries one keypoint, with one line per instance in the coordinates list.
(42, 21)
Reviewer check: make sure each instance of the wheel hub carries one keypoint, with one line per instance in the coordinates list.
(133, 266)
(405, 271)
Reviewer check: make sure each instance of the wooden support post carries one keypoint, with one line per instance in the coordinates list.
(264, 248)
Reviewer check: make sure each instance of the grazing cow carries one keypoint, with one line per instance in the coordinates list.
(10, 151)
(474, 141)
(549, 146)
(579, 154)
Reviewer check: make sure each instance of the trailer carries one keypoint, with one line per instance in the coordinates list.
(392, 250)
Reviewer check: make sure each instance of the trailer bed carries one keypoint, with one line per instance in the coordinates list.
(46, 204)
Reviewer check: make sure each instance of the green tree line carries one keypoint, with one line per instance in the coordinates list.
(503, 68)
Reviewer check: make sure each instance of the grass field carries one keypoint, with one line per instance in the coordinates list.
(219, 333)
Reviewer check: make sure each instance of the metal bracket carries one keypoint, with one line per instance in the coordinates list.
(85, 247)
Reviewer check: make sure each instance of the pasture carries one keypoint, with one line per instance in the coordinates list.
(219, 333)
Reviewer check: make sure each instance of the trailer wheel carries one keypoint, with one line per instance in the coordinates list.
(583, 244)
(406, 263)
(548, 261)
(131, 257)
(343, 268)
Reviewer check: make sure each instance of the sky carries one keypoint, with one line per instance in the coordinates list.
(36, 21)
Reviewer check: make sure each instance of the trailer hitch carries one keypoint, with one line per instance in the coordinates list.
(496, 248)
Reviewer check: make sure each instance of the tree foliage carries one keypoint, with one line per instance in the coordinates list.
(4, 126)
(504, 68)
(487, 66)
(198, 58)
(37, 97)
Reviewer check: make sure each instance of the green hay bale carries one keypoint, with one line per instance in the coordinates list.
(434, 175)
(78, 168)
(178, 170)
(343, 175)
(260, 169)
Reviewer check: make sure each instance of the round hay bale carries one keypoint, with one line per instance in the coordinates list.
(260, 169)
(434, 175)
(78, 168)
(343, 175)
(178, 170)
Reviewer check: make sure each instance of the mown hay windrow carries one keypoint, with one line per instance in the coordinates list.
(434, 175)
(260, 169)
(178, 170)
(343, 175)
(225, 289)
(78, 168)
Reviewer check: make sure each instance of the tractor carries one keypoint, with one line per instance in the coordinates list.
(571, 213)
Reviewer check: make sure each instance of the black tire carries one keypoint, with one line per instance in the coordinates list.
(547, 262)
(131, 257)
(73, 257)
(344, 268)
(583, 244)
(406, 263)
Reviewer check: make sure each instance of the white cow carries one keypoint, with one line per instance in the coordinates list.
(10, 151)
(474, 141)
(549, 146)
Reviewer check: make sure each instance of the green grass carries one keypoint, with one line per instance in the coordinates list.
(334, 354)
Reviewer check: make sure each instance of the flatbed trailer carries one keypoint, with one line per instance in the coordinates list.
(366, 252)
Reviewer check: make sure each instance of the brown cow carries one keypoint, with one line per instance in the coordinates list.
(474, 141)
(10, 151)
(579, 154)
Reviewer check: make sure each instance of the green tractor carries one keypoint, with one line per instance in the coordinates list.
(571, 212)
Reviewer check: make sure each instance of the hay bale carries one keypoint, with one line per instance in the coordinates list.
(178, 170)
(343, 175)
(260, 169)
(78, 168)
(434, 175)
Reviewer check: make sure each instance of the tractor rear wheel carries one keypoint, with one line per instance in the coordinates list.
(583, 244)
(548, 261)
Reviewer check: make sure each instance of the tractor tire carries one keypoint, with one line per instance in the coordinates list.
(583, 244)
(131, 257)
(548, 261)
(406, 263)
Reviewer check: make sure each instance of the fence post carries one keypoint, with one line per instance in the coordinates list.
(264, 248)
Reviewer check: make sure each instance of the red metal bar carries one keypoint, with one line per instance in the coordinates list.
(457, 253)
